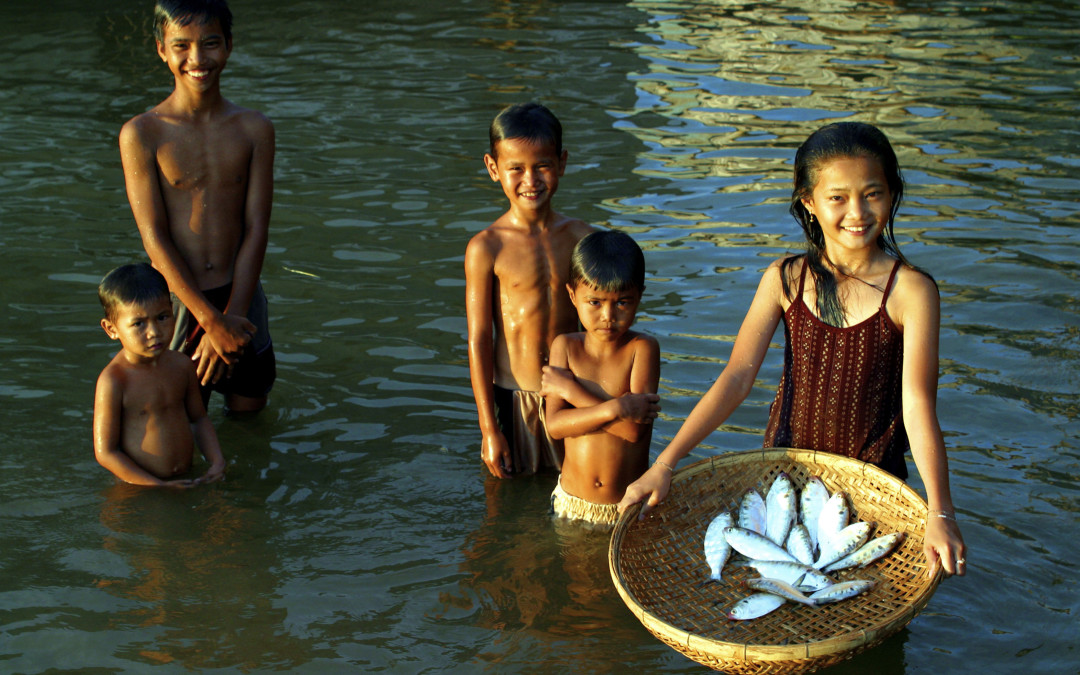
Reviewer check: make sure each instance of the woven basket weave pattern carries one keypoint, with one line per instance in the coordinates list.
(658, 566)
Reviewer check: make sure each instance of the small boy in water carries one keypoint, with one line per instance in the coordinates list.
(148, 411)
(515, 275)
(601, 384)
(199, 176)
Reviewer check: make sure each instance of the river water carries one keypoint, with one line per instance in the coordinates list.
(356, 531)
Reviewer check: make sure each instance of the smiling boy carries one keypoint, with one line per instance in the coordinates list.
(199, 177)
(148, 411)
(516, 303)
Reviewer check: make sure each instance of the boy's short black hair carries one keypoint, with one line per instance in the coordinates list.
(183, 12)
(132, 284)
(608, 261)
(530, 121)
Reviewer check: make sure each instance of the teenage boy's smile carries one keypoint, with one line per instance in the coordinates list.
(195, 52)
(528, 172)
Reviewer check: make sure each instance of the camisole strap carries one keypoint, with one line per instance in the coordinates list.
(888, 285)
(802, 276)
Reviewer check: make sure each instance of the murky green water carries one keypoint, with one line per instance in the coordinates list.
(356, 531)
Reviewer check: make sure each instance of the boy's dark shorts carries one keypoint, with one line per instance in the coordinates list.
(254, 373)
(520, 415)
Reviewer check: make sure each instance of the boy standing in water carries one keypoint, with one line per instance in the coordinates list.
(601, 384)
(516, 303)
(148, 411)
(199, 176)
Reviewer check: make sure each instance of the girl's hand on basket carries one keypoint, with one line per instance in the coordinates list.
(944, 546)
(652, 487)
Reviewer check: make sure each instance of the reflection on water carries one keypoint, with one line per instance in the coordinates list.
(356, 530)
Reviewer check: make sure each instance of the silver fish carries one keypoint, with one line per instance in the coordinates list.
(781, 588)
(755, 546)
(811, 500)
(798, 544)
(798, 575)
(873, 550)
(833, 517)
(753, 606)
(752, 512)
(717, 549)
(843, 543)
(841, 591)
(781, 508)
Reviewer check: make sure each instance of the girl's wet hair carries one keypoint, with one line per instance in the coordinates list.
(530, 121)
(133, 284)
(842, 140)
(608, 261)
(183, 12)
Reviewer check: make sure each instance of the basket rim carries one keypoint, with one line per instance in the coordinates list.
(765, 651)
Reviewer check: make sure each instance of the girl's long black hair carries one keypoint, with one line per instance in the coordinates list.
(837, 141)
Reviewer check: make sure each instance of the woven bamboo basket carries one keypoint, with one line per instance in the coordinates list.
(658, 566)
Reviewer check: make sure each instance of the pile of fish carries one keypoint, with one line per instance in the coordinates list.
(793, 540)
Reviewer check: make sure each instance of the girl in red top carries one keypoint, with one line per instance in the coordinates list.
(861, 336)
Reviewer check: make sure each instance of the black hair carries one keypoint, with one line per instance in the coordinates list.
(530, 121)
(608, 261)
(132, 284)
(840, 140)
(183, 12)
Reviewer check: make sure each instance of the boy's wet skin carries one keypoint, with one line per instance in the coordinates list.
(199, 177)
(515, 271)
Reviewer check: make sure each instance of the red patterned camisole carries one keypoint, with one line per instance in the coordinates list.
(841, 388)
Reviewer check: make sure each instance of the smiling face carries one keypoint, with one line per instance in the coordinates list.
(528, 172)
(143, 329)
(195, 53)
(851, 201)
(605, 315)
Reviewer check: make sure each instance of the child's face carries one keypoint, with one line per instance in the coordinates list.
(528, 172)
(144, 330)
(195, 53)
(852, 201)
(605, 315)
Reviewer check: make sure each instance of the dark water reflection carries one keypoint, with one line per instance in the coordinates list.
(356, 531)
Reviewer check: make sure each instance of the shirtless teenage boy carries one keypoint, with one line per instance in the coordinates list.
(601, 384)
(515, 296)
(199, 176)
(148, 411)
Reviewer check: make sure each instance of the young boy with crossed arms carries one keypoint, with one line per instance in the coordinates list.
(600, 385)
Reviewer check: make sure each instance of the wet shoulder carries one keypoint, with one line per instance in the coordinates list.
(914, 295)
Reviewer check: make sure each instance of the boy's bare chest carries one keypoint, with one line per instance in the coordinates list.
(609, 375)
(204, 159)
(152, 397)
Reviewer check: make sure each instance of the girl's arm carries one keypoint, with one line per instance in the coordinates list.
(919, 316)
(729, 390)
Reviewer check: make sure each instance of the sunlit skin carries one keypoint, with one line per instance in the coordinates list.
(148, 411)
(199, 177)
(851, 199)
(515, 276)
(600, 393)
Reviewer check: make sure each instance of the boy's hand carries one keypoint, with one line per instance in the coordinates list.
(554, 382)
(496, 454)
(209, 367)
(181, 483)
(215, 473)
(640, 408)
(229, 335)
(653, 486)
